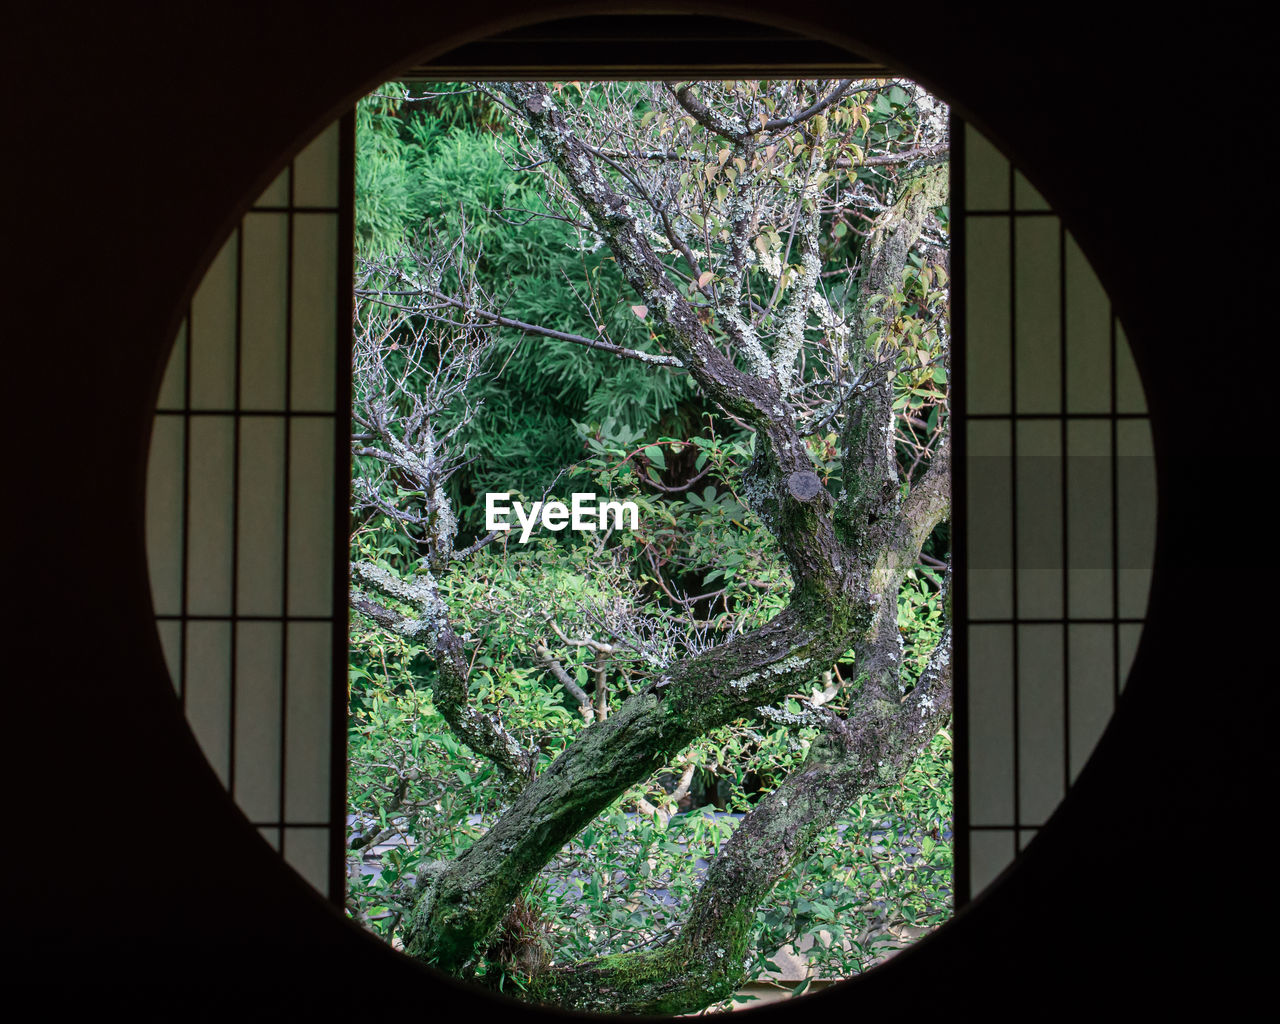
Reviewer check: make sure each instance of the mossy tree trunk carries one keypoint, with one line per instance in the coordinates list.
(847, 556)
(708, 959)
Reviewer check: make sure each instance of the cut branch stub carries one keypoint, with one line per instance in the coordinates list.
(804, 486)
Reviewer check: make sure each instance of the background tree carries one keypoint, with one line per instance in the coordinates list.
(784, 247)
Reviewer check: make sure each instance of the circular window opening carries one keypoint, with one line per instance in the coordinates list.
(467, 674)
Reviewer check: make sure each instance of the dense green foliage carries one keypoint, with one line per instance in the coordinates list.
(432, 170)
(562, 417)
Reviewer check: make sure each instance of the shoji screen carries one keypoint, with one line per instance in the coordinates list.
(247, 508)
(1056, 525)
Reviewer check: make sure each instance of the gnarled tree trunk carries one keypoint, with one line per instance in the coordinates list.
(847, 555)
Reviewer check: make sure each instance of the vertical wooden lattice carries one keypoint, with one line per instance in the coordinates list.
(246, 509)
(1056, 524)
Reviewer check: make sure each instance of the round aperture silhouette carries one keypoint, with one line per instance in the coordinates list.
(651, 420)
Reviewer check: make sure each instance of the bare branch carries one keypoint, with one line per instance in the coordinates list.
(485, 734)
(774, 124)
(549, 662)
(527, 328)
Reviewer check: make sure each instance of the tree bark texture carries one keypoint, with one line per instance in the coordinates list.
(847, 555)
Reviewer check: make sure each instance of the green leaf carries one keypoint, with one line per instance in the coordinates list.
(656, 455)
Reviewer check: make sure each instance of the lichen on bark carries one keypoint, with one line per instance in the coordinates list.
(847, 555)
